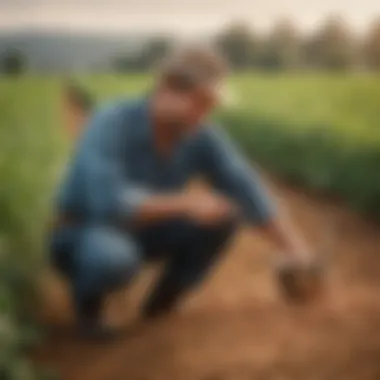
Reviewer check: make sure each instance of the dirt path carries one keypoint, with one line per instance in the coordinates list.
(236, 327)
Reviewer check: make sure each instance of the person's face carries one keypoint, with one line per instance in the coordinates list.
(188, 109)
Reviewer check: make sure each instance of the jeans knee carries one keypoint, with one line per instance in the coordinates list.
(106, 259)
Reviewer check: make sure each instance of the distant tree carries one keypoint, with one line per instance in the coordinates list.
(281, 49)
(372, 46)
(155, 50)
(124, 63)
(12, 62)
(144, 58)
(332, 47)
(239, 45)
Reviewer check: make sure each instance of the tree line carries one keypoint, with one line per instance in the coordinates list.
(334, 46)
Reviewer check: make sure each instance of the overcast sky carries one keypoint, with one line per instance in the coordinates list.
(180, 16)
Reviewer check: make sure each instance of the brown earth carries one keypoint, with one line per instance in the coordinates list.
(237, 327)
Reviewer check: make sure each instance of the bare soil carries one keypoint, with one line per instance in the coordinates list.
(237, 326)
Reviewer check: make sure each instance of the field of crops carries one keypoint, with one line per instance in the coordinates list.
(319, 131)
(322, 132)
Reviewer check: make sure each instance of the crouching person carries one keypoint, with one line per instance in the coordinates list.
(121, 203)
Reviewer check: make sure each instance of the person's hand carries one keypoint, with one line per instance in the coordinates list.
(300, 278)
(208, 208)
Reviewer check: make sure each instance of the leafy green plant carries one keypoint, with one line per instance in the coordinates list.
(28, 159)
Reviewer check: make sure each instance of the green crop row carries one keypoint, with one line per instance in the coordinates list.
(317, 159)
(29, 157)
(321, 132)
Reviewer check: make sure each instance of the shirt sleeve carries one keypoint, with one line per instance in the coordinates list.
(231, 174)
(110, 193)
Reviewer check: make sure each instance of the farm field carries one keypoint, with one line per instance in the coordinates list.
(317, 132)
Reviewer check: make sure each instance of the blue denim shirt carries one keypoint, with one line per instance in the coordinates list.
(116, 166)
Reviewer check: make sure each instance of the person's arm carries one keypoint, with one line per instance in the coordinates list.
(229, 172)
(110, 193)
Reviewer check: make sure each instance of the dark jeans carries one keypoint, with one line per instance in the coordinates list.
(99, 258)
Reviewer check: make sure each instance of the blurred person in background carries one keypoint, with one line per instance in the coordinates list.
(77, 103)
(122, 202)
